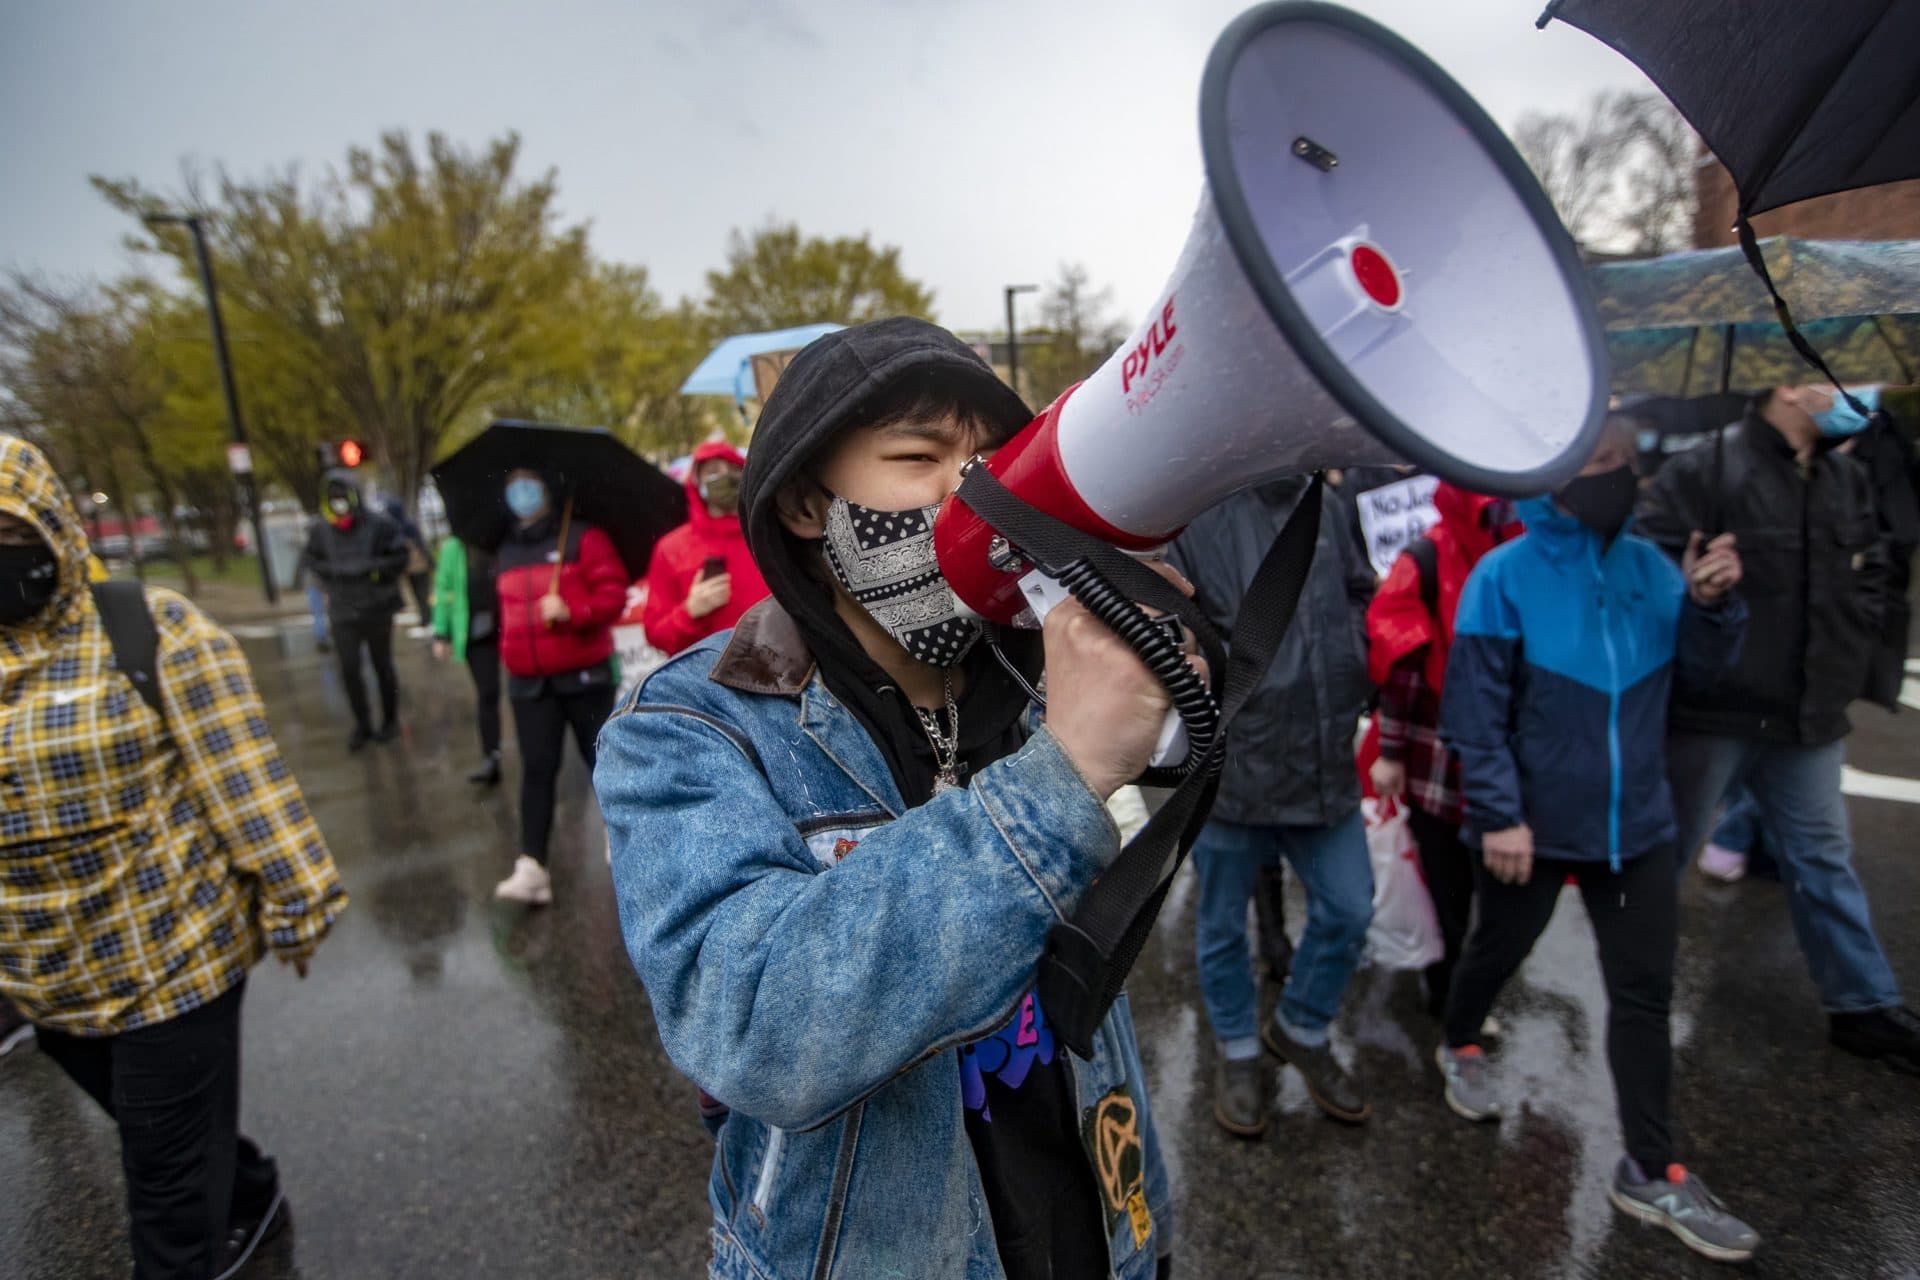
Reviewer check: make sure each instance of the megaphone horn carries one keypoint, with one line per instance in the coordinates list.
(1373, 275)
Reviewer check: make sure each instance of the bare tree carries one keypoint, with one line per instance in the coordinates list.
(1079, 332)
(1620, 175)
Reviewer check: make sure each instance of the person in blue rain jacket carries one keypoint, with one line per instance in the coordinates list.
(1567, 644)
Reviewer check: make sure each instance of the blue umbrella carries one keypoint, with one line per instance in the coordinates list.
(727, 370)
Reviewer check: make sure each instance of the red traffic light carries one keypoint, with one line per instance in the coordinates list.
(351, 453)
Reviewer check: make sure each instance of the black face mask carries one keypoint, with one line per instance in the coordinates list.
(1602, 501)
(28, 578)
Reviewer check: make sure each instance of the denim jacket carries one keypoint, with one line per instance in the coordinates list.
(816, 954)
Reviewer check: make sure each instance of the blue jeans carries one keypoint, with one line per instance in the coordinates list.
(1739, 828)
(1333, 867)
(317, 606)
(1797, 792)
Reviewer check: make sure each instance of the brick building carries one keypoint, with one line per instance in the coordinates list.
(1889, 212)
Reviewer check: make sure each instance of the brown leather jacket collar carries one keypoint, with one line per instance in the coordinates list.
(766, 654)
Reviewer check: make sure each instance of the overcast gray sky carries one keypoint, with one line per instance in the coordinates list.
(991, 140)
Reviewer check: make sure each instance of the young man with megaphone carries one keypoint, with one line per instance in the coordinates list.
(841, 851)
(839, 841)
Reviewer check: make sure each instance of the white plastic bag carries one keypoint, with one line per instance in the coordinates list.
(1405, 933)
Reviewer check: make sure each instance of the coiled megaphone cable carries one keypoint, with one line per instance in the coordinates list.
(1164, 656)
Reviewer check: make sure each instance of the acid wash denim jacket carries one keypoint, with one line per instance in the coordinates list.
(816, 954)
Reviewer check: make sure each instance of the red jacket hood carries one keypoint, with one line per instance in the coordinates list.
(697, 514)
(1462, 511)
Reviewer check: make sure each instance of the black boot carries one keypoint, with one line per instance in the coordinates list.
(1328, 1083)
(488, 774)
(246, 1236)
(359, 738)
(1892, 1033)
(1240, 1096)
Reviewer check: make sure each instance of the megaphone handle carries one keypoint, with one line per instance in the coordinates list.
(1042, 592)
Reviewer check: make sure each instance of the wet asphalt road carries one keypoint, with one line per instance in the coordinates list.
(468, 1089)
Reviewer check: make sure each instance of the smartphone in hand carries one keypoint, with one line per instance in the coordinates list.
(713, 567)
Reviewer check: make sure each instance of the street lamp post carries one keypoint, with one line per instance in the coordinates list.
(249, 493)
(1013, 336)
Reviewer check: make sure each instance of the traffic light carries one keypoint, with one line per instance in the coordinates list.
(342, 453)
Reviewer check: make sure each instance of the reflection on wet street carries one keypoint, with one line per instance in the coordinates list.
(468, 1089)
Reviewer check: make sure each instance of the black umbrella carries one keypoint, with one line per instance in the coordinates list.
(1797, 99)
(609, 486)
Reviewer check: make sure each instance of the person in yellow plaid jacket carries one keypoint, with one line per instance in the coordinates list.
(147, 861)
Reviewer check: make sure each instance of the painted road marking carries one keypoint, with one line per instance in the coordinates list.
(1878, 786)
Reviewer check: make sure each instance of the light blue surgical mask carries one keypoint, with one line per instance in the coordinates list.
(525, 497)
(1843, 419)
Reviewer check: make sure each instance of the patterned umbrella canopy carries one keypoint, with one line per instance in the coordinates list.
(1668, 319)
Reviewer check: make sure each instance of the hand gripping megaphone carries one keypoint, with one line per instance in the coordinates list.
(1373, 275)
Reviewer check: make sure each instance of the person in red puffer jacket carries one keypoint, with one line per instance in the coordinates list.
(1409, 632)
(702, 577)
(557, 608)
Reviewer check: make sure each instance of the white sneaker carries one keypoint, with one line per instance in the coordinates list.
(529, 883)
(1725, 865)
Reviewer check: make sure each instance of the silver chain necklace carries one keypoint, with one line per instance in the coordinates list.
(946, 746)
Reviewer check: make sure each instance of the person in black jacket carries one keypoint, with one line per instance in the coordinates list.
(359, 556)
(1816, 578)
(1289, 789)
(1887, 453)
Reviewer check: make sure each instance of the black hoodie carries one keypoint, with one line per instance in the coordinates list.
(828, 387)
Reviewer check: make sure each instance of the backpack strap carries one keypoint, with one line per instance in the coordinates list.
(1426, 558)
(135, 639)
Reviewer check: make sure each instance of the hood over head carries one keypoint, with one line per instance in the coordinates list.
(697, 514)
(824, 391)
(30, 490)
(828, 387)
(1464, 513)
(345, 479)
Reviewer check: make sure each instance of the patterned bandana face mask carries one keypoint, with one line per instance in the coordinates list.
(885, 560)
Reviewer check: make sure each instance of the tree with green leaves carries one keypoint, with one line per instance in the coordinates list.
(778, 278)
(626, 355)
(91, 373)
(405, 292)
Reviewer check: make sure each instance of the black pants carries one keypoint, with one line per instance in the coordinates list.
(1448, 866)
(421, 584)
(174, 1091)
(1635, 923)
(374, 634)
(483, 664)
(541, 726)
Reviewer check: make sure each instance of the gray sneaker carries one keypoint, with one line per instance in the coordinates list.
(1681, 1203)
(1469, 1078)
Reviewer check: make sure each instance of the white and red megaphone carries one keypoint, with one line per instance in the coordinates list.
(1373, 275)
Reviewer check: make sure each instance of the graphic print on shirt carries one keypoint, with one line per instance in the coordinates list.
(1008, 1055)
